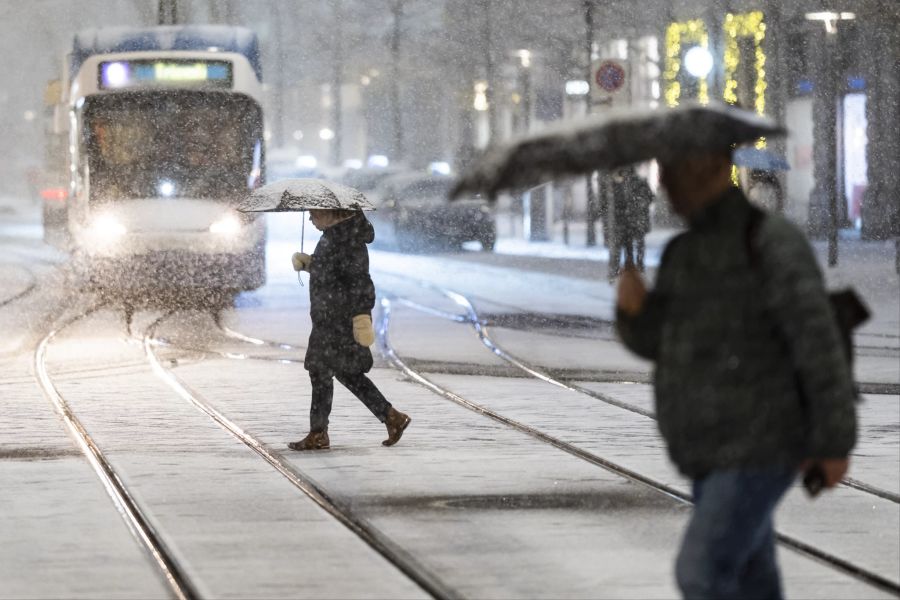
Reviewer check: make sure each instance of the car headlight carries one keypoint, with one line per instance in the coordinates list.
(107, 227)
(227, 225)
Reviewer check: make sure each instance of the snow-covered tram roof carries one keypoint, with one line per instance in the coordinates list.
(109, 40)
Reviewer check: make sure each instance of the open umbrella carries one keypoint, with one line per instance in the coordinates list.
(294, 195)
(291, 195)
(611, 140)
(763, 160)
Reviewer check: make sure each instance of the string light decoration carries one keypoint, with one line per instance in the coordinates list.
(747, 25)
(678, 35)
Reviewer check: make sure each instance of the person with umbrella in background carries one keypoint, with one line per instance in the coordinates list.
(762, 184)
(751, 378)
(342, 297)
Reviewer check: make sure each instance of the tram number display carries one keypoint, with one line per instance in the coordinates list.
(120, 74)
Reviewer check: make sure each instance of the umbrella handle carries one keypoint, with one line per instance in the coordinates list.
(302, 235)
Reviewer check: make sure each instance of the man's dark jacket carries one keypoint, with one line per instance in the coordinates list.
(339, 289)
(749, 364)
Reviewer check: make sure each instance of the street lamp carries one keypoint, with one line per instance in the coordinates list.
(825, 160)
(830, 19)
(698, 61)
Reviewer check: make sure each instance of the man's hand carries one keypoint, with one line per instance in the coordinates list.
(823, 473)
(632, 291)
(363, 332)
(301, 261)
(833, 469)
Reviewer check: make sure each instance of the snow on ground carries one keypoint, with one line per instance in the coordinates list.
(489, 510)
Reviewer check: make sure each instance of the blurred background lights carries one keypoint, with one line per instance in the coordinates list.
(378, 160)
(306, 161)
(439, 167)
(578, 87)
(116, 74)
(480, 103)
(326, 134)
(698, 61)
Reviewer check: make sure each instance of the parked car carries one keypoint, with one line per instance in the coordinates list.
(413, 211)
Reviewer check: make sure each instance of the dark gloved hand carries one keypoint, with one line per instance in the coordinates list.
(363, 332)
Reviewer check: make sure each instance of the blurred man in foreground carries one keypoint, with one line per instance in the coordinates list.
(751, 382)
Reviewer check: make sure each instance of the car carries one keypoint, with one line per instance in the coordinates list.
(415, 212)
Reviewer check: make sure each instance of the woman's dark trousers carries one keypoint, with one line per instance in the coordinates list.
(358, 384)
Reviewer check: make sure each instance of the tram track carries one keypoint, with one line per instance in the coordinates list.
(368, 533)
(132, 513)
(415, 375)
(675, 494)
(29, 287)
(482, 330)
(803, 548)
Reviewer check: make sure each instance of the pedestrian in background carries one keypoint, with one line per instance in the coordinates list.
(631, 219)
(638, 210)
(342, 296)
(750, 378)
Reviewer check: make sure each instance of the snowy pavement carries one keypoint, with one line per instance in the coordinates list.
(474, 501)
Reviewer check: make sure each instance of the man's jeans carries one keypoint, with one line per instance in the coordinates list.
(728, 549)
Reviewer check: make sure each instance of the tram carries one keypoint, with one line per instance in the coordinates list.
(165, 136)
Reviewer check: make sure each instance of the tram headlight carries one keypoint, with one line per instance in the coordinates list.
(227, 225)
(107, 227)
(166, 188)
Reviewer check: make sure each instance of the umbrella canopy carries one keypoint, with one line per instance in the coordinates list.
(291, 195)
(764, 160)
(611, 140)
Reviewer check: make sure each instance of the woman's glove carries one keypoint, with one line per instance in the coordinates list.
(363, 332)
(301, 261)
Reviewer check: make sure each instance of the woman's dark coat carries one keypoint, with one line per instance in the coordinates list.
(339, 289)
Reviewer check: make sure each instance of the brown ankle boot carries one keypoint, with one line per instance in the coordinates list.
(396, 422)
(314, 440)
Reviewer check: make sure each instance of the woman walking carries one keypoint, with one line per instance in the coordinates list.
(342, 296)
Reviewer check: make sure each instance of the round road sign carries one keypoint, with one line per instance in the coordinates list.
(610, 76)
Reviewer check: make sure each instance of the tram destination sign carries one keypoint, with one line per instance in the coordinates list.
(120, 74)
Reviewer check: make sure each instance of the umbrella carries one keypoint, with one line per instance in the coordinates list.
(611, 140)
(763, 160)
(291, 195)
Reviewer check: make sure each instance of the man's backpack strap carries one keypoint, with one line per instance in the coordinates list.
(848, 308)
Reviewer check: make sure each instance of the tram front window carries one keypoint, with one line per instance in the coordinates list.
(175, 144)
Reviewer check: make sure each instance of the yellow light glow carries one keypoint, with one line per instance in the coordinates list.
(678, 35)
(746, 25)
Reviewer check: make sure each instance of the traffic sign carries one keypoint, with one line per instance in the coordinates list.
(609, 76)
